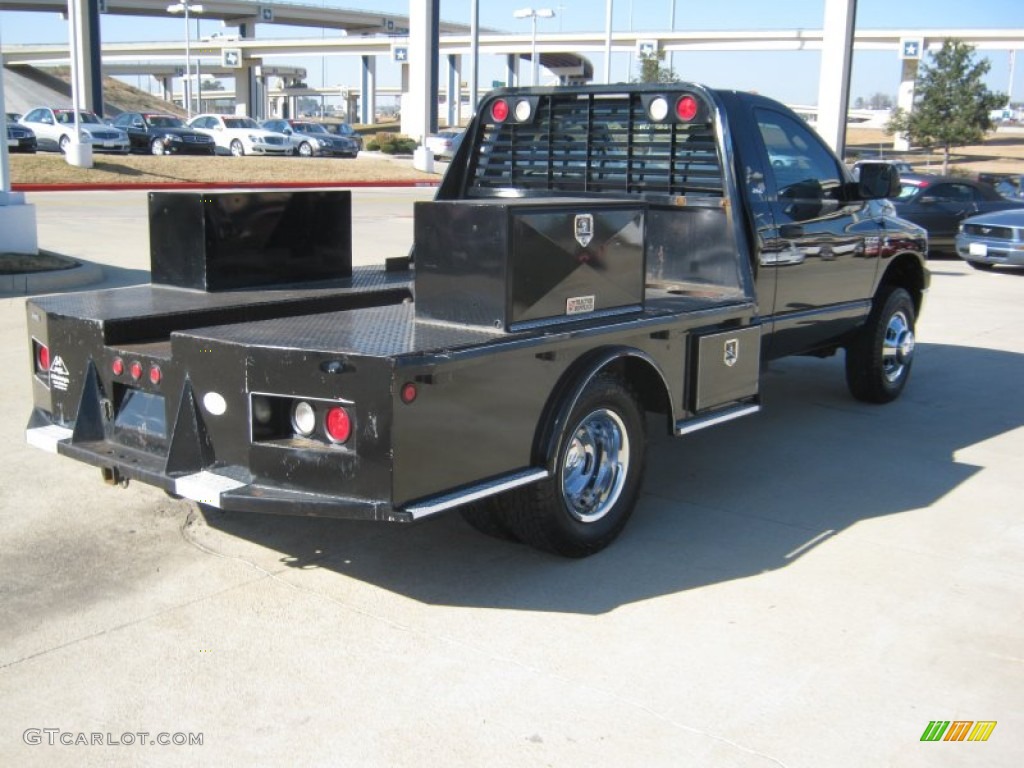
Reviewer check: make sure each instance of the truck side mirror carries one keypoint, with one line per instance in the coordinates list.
(878, 180)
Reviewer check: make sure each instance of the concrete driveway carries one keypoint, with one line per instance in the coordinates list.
(809, 587)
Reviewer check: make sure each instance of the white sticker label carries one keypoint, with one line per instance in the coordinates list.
(579, 305)
(59, 375)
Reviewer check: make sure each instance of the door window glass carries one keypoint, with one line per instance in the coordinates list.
(808, 181)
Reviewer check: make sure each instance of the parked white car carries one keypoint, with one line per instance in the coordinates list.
(54, 128)
(239, 136)
(442, 145)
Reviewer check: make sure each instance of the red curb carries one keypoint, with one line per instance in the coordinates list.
(216, 185)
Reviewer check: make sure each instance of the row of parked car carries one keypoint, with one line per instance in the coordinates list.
(52, 128)
(982, 222)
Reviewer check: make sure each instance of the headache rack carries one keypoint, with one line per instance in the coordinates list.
(596, 143)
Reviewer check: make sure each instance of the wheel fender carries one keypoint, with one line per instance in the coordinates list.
(555, 416)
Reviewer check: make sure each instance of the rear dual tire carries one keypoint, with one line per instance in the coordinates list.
(597, 474)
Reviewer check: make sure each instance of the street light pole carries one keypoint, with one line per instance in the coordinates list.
(530, 13)
(185, 7)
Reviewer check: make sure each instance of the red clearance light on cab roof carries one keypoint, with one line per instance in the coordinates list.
(686, 108)
(155, 374)
(337, 424)
(499, 111)
(117, 366)
(136, 370)
(408, 393)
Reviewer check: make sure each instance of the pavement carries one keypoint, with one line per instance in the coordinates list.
(812, 586)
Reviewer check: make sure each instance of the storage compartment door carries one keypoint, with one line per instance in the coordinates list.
(725, 368)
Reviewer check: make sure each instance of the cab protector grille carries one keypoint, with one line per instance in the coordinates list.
(597, 143)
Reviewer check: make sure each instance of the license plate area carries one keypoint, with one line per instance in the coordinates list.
(140, 420)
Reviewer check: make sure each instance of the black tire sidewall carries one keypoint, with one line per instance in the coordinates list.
(865, 369)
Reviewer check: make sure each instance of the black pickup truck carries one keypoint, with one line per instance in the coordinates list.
(593, 254)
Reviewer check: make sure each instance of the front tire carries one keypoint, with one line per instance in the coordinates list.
(63, 144)
(158, 147)
(879, 359)
(598, 471)
(237, 149)
(305, 150)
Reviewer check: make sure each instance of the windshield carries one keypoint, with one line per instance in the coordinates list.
(66, 116)
(240, 122)
(164, 121)
(309, 128)
(907, 191)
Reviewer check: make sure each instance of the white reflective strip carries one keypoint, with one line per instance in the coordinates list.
(205, 487)
(477, 492)
(46, 438)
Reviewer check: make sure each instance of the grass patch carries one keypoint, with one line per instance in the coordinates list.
(52, 168)
(44, 261)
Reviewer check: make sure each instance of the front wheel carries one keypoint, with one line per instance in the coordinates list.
(305, 150)
(63, 143)
(597, 475)
(158, 147)
(237, 149)
(879, 358)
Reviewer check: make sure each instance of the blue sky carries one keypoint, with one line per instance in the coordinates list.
(788, 75)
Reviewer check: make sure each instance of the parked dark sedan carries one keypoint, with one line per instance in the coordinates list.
(20, 138)
(940, 203)
(162, 134)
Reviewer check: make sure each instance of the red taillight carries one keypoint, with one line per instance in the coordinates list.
(337, 424)
(135, 370)
(408, 393)
(155, 375)
(686, 108)
(117, 367)
(499, 111)
(42, 357)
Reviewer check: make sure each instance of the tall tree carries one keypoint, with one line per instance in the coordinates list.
(951, 102)
(651, 70)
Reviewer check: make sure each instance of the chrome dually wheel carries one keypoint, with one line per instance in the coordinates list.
(595, 466)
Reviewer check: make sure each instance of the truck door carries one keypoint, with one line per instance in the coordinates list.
(816, 241)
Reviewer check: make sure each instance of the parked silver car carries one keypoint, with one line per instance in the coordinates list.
(55, 126)
(992, 238)
(311, 139)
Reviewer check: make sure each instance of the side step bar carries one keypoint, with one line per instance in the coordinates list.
(698, 423)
